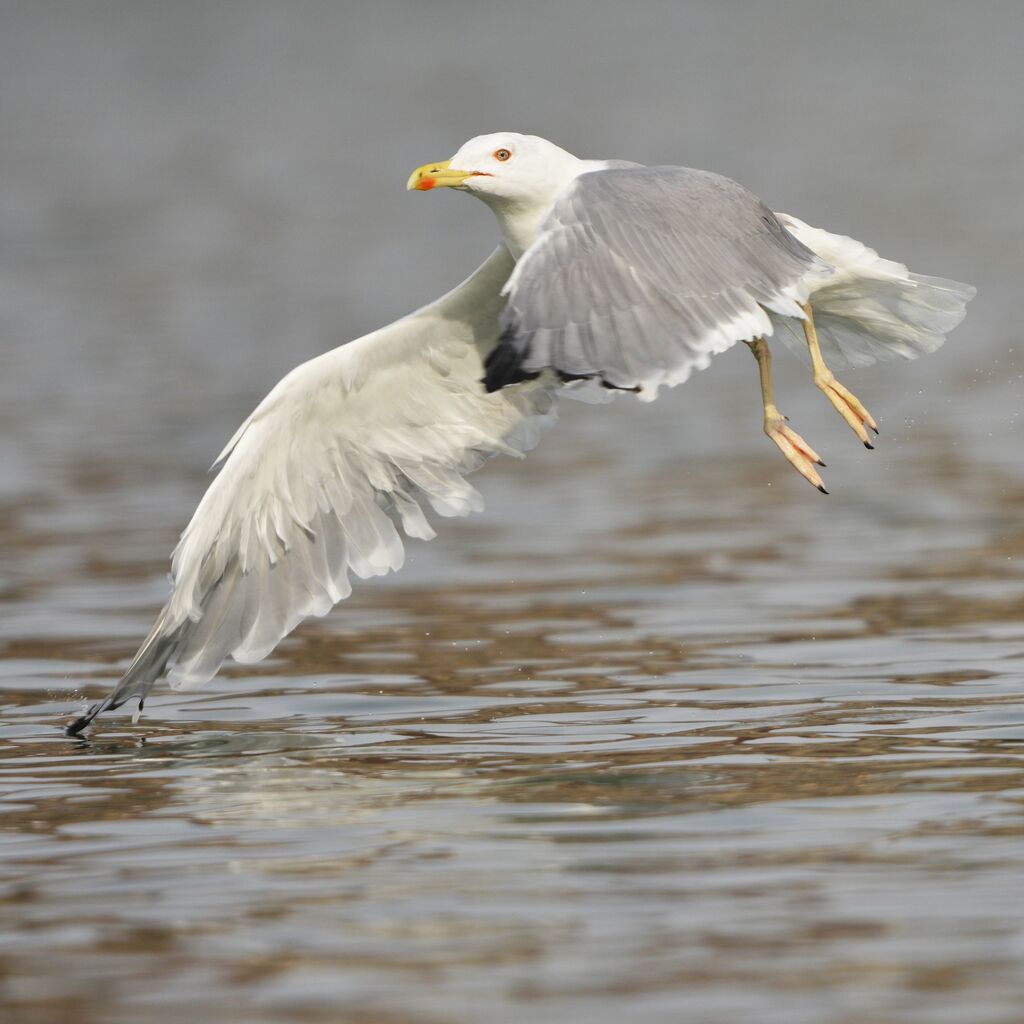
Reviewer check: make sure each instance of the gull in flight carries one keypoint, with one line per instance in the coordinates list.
(610, 277)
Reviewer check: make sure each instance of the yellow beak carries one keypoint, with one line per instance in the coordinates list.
(436, 175)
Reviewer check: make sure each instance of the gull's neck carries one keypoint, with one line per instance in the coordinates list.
(520, 221)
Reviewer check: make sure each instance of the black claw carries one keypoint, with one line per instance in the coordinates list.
(822, 464)
(876, 430)
(822, 489)
(869, 446)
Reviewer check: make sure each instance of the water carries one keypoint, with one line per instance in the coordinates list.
(664, 735)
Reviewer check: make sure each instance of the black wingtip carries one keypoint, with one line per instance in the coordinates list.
(81, 723)
(504, 363)
(504, 366)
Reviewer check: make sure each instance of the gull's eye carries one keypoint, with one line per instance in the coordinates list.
(502, 155)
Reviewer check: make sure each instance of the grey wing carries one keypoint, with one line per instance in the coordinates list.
(640, 274)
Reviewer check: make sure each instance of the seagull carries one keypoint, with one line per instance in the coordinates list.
(610, 277)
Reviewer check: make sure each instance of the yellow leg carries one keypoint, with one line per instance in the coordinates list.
(802, 457)
(847, 404)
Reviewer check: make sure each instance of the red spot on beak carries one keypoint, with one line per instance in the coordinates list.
(425, 184)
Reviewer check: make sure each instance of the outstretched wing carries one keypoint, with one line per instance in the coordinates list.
(640, 274)
(316, 483)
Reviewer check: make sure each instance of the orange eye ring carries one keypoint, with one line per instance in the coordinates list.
(502, 155)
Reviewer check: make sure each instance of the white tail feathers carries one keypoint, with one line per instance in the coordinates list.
(871, 309)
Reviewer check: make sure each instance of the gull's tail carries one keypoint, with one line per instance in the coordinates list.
(871, 309)
(148, 665)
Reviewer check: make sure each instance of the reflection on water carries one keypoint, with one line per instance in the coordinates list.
(665, 735)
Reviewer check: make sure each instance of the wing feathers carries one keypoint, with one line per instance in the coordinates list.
(315, 485)
(639, 275)
(291, 516)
